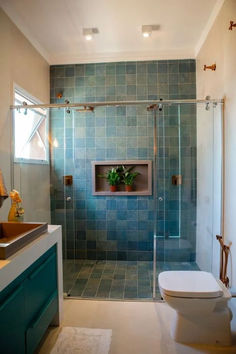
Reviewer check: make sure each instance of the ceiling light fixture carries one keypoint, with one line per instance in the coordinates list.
(146, 34)
(89, 32)
(88, 37)
(148, 29)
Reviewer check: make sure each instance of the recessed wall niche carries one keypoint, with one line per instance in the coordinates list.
(142, 183)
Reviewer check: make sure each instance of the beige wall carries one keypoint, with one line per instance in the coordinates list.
(20, 63)
(220, 47)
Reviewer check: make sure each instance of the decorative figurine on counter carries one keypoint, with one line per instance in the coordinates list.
(16, 212)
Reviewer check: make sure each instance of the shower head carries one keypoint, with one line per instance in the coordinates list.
(153, 107)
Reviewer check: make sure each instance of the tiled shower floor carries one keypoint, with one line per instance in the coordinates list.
(115, 280)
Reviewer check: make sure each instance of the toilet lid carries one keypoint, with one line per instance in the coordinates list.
(193, 284)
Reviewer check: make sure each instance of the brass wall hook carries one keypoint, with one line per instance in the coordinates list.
(59, 95)
(210, 67)
(231, 25)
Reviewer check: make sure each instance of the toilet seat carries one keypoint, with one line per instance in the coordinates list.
(189, 284)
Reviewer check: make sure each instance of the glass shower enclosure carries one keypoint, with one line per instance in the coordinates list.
(114, 246)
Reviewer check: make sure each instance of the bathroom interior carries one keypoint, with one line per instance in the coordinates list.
(161, 120)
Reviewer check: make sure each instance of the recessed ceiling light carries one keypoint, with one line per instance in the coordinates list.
(88, 37)
(146, 34)
(89, 32)
(148, 29)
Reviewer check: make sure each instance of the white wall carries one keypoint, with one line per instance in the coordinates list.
(20, 63)
(220, 48)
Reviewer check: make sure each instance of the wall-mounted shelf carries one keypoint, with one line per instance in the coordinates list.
(142, 184)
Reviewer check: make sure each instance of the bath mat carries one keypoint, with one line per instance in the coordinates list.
(76, 340)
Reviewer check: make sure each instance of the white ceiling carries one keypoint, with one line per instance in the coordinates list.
(54, 27)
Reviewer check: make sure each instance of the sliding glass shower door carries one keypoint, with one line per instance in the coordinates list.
(62, 188)
(189, 162)
(107, 238)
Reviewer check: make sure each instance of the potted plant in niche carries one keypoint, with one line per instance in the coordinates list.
(128, 178)
(113, 178)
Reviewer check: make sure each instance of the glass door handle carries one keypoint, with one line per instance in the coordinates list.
(68, 199)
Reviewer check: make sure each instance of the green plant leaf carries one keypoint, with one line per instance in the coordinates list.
(120, 174)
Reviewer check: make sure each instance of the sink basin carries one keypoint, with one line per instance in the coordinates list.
(15, 235)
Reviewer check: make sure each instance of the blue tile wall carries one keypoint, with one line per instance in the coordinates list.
(121, 228)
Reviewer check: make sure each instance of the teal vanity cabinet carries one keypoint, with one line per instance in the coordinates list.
(12, 326)
(41, 300)
(28, 306)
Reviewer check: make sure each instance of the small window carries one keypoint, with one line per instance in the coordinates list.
(30, 131)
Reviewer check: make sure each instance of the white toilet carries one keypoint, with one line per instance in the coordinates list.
(201, 304)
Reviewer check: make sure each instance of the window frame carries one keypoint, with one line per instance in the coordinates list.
(21, 160)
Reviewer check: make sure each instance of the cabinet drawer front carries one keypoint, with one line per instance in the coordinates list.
(42, 266)
(37, 328)
(40, 284)
(12, 323)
